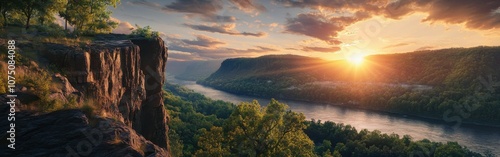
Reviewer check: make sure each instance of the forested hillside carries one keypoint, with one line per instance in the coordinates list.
(200, 126)
(424, 83)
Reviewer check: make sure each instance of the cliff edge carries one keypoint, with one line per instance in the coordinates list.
(123, 79)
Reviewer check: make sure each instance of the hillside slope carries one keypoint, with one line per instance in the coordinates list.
(424, 83)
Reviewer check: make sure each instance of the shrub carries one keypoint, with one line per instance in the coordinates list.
(88, 108)
(37, 82)
(145, 32)
(50, 30)
(3, 71)
(3, 85)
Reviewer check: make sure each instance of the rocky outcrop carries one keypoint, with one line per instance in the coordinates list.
(123, 78)
(153, 54)
(70, 133)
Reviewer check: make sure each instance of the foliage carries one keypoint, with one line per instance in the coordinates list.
(212, 144)
(3, 81)
(88, 108)
(40, 84)
(89, 16)
(3, 70)
(190, 114)
(36, 81)
(346, 141)
(86, 16)
(50, 30)
(27, 8)
(46, 9)
(145, 32)
(7, 6)
(255, 131)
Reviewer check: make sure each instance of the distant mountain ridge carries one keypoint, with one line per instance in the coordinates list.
(425, 83)
(431, 67)
(192, 70)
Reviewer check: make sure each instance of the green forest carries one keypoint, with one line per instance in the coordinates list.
(200, 126)
(84, 16)
(457, 85)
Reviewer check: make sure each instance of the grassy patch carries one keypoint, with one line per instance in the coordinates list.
(81, 41)
(88, 108)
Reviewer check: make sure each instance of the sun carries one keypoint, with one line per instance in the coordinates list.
(356, 59)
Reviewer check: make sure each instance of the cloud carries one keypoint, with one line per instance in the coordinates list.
(204, 41)
(320, 49)
(224, 29)
(218, 18)
(316, 49)
(249, 6)
(195, 6)
(396, 45)
(474, 14)
(257, 49)
(222, 52)
(320, 26)
(478, 14)
(196, 48)
(206, 9)
(425, 48)
(183, 56)
(145, 3)
(123, 28)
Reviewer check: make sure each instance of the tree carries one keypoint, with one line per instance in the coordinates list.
(44, 9)
(48, 8)
(450, 149)
(6, 6)
(213, 143)
(255, 131)
(89, 16)
(27, 8)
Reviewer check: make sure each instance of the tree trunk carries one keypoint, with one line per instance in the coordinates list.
(65, 24)
(28, 12)
(4, 14)
(28, 22)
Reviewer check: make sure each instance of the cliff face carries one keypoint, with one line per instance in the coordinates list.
(123, 78)
(70, 133)
(152, 123)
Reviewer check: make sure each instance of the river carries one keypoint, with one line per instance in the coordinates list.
(478, 139)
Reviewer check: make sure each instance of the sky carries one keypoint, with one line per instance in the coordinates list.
(329, 29)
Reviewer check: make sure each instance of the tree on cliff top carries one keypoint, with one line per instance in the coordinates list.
(89, 16)
(86, 16)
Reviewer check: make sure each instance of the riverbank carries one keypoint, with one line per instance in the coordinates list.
(428, 118)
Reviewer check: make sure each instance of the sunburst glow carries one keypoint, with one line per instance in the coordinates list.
(356, 59)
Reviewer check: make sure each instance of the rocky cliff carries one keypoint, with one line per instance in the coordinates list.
(123, 78)
(70, 133)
